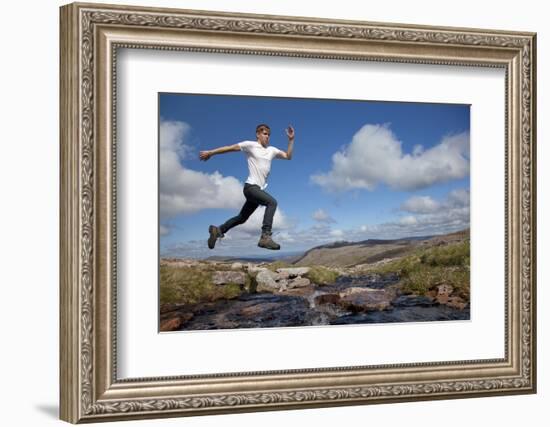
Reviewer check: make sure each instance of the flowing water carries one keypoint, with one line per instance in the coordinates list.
(304, 307)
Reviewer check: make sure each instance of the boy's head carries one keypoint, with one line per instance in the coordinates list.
(262, 134)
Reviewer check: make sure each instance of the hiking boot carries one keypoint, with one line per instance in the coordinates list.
(215, 234)
(267, 242)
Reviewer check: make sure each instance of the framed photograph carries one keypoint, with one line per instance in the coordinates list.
(267, 212)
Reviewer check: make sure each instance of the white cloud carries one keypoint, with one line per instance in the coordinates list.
(321, 216)
(408, 220)
(337, 234)
(375, 156)
(431, 217)
(185, 191)
(458, 198)
(420, 204)
(286, 237)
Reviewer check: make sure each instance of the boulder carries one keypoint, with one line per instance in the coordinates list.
(254, 269)
(283, 275)
(365, 299)
(299, 282)
(444, 290)
(283, 285)
(442, 293)
(266, 281)
(294, 272)
(236, 266)
(456, 302)
(327, 299)
(225, 277)
(172, 324)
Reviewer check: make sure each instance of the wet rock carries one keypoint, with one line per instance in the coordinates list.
(294, 272)
(306, 291)
(327, 299)
(252, 311)
(390, 277)
(266, 281)
(172, 324)
(225, 277)
(344, 280)
(364, 299)
(257, 309)
(412, 301)
(442, 299)
(175, 322)
(442, 294)
(299, 282)
(456, 302)
(369, 278)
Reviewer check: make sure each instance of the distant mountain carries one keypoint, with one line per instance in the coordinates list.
(347, 254)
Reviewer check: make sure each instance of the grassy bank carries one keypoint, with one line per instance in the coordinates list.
(187, 285)
(430, 267)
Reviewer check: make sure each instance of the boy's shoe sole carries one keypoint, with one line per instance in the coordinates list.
(269, 247)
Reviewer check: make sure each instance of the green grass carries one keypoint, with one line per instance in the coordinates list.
(322, 275)
(425, 278)
(450, 255)
(427, 268)
(279, 264)
(186, 285)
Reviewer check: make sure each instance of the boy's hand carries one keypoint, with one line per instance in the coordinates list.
(205, 155)
(290, 132)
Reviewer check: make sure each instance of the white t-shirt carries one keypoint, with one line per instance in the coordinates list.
(259, 161)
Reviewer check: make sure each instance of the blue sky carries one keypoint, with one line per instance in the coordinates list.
(360, 170)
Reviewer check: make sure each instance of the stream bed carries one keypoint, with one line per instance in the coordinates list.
(319, 305)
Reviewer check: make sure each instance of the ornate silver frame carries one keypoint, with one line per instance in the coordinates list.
(90, 36)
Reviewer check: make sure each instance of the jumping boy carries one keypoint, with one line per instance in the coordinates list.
(259, 156)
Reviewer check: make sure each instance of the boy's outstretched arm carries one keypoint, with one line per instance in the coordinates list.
(290, 134)
(205, 155)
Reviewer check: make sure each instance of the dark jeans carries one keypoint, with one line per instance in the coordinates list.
(255, 197)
